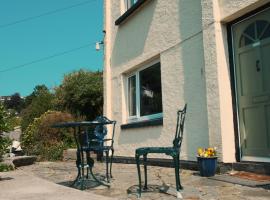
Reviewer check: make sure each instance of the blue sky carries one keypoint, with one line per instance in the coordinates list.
(65, 25)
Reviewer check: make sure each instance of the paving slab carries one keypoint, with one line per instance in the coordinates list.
(125, 180)
(24, 186)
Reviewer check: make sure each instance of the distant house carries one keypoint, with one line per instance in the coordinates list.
(211, 54)
(4, 98)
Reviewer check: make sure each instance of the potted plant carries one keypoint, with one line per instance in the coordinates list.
(207, 161)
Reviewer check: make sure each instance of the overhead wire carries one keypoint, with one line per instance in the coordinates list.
(45, 14)
(50, 56)
(46, 58)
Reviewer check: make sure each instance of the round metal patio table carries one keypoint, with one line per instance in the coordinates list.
(80, 130)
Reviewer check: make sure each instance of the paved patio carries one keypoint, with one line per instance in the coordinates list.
(125, 177)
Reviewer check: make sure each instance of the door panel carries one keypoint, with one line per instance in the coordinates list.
(268, 126)
(255, 125)
(252, 76)
(251, 82)
(265, 52)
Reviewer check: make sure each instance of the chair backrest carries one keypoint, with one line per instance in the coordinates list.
(100, 131)
(181, 114)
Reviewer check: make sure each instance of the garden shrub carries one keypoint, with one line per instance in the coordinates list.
(44, 141)
(5, 167)
(4, 141)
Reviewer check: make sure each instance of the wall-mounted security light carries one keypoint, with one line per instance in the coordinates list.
(98, 45)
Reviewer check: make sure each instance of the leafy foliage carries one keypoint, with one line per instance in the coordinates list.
(41, 100)
(44, 141)
(4, 142)
(15, 102)
(3, 119)
(38, 90)
(5, 167)
(14, 121)
(81, 93)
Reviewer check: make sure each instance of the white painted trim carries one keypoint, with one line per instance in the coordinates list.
(236, 92)
(255, 159)
(137, 117)
(138, 100)
(127, 95)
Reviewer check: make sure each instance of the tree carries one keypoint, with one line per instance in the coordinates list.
(38, 90)
(44, 141)
(81, 93)
(4, 142)
(15, 102)
(41, 101)
(3, 119)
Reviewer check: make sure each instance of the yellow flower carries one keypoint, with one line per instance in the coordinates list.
(200, 152)
(207, 152)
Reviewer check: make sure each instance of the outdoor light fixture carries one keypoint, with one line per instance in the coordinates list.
(101, 42)
(98, 45)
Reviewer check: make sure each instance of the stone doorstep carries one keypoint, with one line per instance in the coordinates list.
(19, 161)
(251, 176)
(240, 180)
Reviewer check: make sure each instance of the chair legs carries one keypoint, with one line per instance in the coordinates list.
(176, 167)
(145, 171)
(109, 173)
(111, 163)
(177, 171)
(107, 166)
(137, 157)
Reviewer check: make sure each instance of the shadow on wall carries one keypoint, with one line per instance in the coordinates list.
(131, 35)
(192, 59)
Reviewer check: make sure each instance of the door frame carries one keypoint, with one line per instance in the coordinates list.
(238, 154)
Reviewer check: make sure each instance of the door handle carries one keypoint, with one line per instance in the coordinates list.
(258, 65)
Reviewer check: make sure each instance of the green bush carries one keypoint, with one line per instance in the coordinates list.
(4, 143)
(41, 102)
(4, 126)
(14, 121)
(44, 141)
(81, 93)
(3, 119)
(5, 167)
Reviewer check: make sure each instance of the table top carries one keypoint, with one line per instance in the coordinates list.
(79, 124)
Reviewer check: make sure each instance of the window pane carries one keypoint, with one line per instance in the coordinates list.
(130, 3)
(150, 91)
(132, 95)
(134, 1)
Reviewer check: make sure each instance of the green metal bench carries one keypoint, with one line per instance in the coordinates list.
(173, 151)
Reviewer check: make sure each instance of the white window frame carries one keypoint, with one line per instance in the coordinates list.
(137, 117)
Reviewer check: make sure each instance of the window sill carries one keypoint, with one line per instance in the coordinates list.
(147, 123)
(130, 11)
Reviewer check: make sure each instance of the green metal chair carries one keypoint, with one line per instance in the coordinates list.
(173, 151)
(98, 143)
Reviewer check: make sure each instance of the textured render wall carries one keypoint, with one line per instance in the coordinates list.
(232, 9)
(169, 30)
(217, 69)
(218, 90)
(190, 38)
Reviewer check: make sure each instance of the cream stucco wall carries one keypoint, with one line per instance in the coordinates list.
(171, 32)
(189, 38)
(215, 16)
